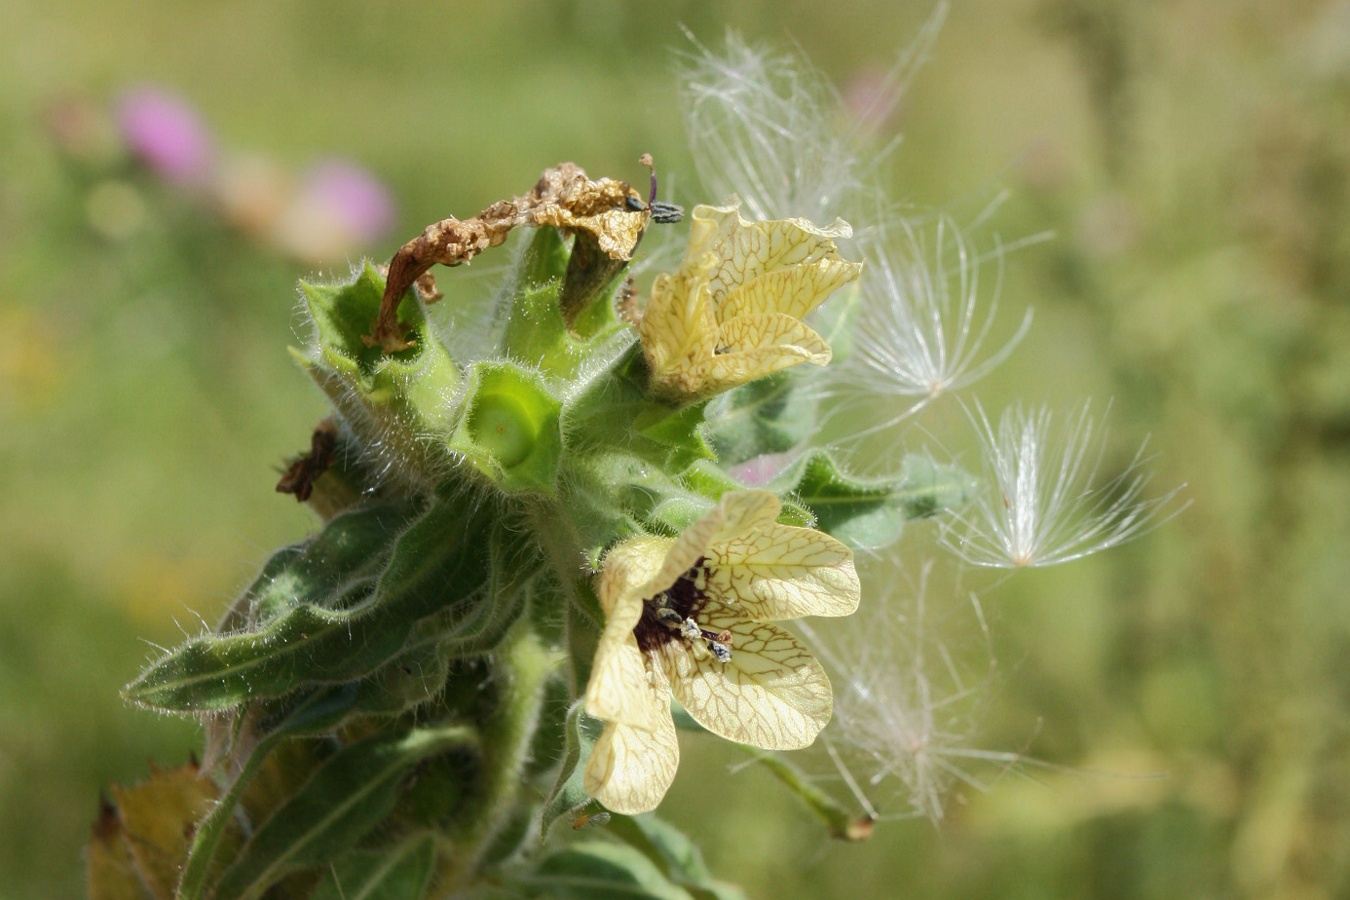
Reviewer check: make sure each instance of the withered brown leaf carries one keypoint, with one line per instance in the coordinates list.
(607, 217)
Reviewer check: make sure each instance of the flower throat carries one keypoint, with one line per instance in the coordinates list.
(672, 615)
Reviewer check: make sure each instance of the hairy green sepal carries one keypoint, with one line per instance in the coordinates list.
(393, 401)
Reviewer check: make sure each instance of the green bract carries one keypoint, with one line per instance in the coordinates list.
(394, 704)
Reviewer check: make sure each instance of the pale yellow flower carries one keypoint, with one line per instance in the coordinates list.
(733, 312)
(690, 616)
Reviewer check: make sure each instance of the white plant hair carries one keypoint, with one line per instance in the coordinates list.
(904, 713)
(764, 127)
(769, 128)
(923, 322)
(1042, 505)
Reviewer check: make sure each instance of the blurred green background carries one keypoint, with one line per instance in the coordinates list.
(1191, 158)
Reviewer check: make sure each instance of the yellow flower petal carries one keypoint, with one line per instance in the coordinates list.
(739, 512)
(786, 573)
(631, 769)
(626, 574)
(751, 347)
(772, 694)
(678, 329)
(794, 292)
(620, 688)
(732, 313)
(777, 571)
(744, 250)
(722, 578)
(614, 692)
(686, 550)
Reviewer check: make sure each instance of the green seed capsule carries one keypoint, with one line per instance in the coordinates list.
(500, 424)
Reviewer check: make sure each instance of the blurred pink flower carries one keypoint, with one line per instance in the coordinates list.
(762, 469)
(358, 201)
(870, 99)
(165, 131)
(338, 208)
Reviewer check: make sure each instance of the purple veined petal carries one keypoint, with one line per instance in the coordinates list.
(166, 132)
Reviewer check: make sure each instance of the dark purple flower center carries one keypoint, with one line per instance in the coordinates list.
(663, 613)
(672, 615)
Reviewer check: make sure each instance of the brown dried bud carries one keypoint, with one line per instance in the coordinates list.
(299, 478)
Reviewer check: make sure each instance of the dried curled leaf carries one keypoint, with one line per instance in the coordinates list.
(299, 477)
(606, 213)
(142, 834)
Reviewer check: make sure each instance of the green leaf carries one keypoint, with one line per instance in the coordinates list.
(593, 870)
(437, 564)
(547, 604)
(585, 298)
(561, 320)
(318, 712)
(671, 850)
(342, 313)
(674, 435)
(771, 415)
(871, 513)
(390, 401)
(540, 332)
(354, 545)
(544, 260)
(609, 495)
(549, 744)
(584, 622)
(349, 795)
(614, 411)
(491, 892)
(511, 836)
(463, 630)
(663, 844)
(397, 873)
(709, 482)
(580, 733)
(413, 677)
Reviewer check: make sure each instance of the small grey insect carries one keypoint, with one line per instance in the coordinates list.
(590, 820)
(720, 650)
(662, 211)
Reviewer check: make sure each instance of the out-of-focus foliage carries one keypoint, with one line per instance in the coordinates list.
(1191, 159)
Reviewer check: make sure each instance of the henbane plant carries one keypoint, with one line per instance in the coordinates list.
(508, 534)
(528, 551)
